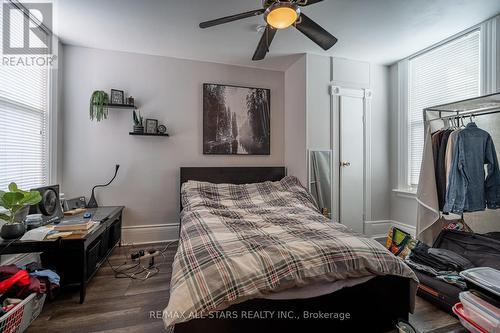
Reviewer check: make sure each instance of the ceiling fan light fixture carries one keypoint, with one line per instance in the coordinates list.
(281, 15)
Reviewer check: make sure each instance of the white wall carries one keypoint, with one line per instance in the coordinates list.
(380, 143)
(295, 120)
(166, 89)
(318, 73)
(403, 205)
(318, 102)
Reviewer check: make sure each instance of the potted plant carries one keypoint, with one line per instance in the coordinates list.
(99, 105)
(17, 203)
(138, 122)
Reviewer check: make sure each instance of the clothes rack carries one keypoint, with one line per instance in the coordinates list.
(438, 117)
(474, 107)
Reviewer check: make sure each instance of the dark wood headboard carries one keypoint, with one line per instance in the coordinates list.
(232, 175)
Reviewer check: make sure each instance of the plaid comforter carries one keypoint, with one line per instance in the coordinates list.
(245, 241)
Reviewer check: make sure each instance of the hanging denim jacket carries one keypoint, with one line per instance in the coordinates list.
(468, 190)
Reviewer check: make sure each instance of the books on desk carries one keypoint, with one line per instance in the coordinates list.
(73, 233)
(74, 225)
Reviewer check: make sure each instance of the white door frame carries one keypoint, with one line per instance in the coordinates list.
(337, 93)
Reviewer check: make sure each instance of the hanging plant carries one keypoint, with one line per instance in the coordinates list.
(99, 105)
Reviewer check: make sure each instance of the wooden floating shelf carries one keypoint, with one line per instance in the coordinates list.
(149, 134)
(121, 106)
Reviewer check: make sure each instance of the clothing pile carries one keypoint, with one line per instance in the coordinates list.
(441, 264)
(459, 159)
(17, 283)
(440, 268)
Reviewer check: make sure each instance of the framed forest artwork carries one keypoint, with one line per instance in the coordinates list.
(236, 120)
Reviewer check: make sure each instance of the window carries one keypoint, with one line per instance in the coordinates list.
(23, 122)
(447, 73)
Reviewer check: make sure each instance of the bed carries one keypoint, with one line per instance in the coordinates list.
(344, 301)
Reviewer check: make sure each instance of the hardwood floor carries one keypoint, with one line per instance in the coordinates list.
(429, 319)
(112, 304)
(122, 305)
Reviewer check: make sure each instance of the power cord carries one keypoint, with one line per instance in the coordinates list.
(167, 246)
(135, 272)
(138, 271)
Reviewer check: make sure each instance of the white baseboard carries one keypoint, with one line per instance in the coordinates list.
(153, 233)
(379, 229)
(406, 227)
(158, 233)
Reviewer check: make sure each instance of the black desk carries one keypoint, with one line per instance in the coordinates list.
(76, 259)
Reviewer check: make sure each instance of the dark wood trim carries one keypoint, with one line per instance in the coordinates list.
(148, 134)
(232, 175)
(121, 106)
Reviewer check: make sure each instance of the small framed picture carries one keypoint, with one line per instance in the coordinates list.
(117, 96)
(151, 126)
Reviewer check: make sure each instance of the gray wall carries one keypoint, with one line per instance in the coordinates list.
(380, 143)
(167, 89)
(318, 102)
(403, 205)
(295, 120)
(307, 121)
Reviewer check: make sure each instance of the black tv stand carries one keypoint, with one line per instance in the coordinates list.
(76, 259)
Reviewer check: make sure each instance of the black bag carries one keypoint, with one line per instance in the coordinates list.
(481, 250)
(439, 293)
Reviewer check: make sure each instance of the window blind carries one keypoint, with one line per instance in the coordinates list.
(23, 118)
(447, 73)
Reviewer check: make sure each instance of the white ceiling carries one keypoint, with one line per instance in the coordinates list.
(378, 31)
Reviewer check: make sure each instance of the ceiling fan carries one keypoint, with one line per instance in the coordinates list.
(281, 15)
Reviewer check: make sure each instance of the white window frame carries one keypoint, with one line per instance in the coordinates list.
(403, 144)
(489, 83)
(54, 135)
(53, 139)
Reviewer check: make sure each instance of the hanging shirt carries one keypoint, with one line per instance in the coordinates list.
(468, 189)
(450, 150)
(441, 169)
(436, 142)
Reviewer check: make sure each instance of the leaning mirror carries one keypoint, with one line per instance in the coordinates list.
(320, 179)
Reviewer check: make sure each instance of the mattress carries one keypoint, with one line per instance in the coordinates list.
(316, 289)
(242, 242)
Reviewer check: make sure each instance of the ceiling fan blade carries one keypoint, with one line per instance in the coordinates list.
(315, 32)
(308, 2)
(231, 18)
(264, 43)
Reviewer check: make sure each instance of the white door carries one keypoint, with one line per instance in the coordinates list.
(351, 157)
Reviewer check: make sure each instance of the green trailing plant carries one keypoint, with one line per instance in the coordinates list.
(138, 119)
(99, 105)
(15, 200)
